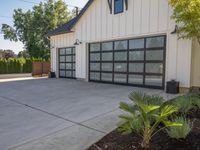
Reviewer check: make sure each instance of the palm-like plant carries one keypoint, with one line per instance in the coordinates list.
(144, 116)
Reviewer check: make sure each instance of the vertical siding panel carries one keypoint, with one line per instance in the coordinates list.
(109, 24)
(88, 26)
(171, 57)
(145, 16)
(93, 24)
(184, 62)
(84, 32)
(115, 26)
(153, 16)
(98, 19)
(163, 15)
(129, 18)
(122, 24)
(104, 18)
(137, 16)
(171, 23)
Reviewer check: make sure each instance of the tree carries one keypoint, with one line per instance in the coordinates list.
(187, 17)
(32, 26)
(7, 54)
(23, 54)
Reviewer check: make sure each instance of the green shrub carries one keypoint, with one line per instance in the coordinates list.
(144, 116)
(182, 131)
(195, 98)
(15, 65)
(183, 103)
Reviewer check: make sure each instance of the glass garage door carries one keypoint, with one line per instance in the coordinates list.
(137, 62)
(67, 62)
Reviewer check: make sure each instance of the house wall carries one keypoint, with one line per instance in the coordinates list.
(195, 79)
(143, 18)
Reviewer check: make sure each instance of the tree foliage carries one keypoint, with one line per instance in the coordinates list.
(32, 26)
(187, 16)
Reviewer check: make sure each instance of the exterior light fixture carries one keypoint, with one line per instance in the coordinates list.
(77, 42)
(175, 30)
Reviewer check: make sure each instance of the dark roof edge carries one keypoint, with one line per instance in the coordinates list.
(66, 28)
(82, 12)
(59, 33)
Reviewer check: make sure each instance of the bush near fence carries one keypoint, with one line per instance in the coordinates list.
(17, 65)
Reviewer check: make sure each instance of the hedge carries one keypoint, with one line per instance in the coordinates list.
(15, 65)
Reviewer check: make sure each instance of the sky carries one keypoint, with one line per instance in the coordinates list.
(6, 11)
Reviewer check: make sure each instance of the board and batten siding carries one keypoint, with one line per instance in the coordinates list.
(195, 79)
(143, 18)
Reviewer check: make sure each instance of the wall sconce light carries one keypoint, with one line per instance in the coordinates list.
(77, 42)
(175, 30)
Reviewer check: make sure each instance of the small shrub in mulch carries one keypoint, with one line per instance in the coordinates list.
(161, 141)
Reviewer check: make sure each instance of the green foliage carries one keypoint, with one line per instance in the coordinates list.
(144, 116)
(195, 97)
(180, 132)
(17, 65)
(187, 16)
(183, 103)
(32, 26)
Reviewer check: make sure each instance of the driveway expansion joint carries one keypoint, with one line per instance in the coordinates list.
(51, 114)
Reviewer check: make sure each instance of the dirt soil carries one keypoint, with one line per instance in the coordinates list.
(161, 141)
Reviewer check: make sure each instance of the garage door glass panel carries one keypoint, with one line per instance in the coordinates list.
(154, 68)
(135, 79)
(106, 66)
(121, 45)
(155, 42)
(95, 47)
(107, 56)
(153, 80)
(68, 66)
(73, 58)
(62, 65)
(68, 74)
(121, 56)
(62, 73)
(62, 58)
(136, 67)
(154, 55)
(94, 76)
(120, 78)
(120, 67)
(68, 51)
(73, 74)
(68, 58)
(95, 56)
(107, 46)
(74, 66)
(136, 55)
(73, 51)
(136, 44)
(95, 66)
(106, 77)
(62, 51)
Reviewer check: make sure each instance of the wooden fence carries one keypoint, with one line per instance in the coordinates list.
(40, 68)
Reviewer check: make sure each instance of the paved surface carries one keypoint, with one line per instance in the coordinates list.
(59, 114)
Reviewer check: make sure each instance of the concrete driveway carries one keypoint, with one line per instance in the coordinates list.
(59, 114)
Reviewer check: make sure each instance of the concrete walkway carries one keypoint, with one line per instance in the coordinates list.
(59, 114)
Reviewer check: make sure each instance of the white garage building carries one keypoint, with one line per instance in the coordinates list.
(128, 42)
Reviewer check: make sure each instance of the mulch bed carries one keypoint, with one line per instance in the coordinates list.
(161, 141)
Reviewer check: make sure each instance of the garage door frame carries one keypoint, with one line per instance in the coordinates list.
(144, 74)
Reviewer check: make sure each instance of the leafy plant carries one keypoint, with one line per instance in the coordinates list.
(184, 104)
(195, 97)
(145, 115)
(182, 131)
(187, 17)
